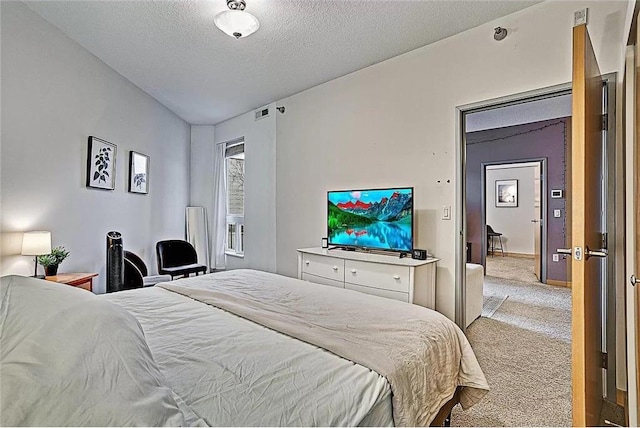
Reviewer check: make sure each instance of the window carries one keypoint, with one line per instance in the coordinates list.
(234, 166)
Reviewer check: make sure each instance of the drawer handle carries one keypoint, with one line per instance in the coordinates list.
(335, 268)
(306, 262)
(396, 276)
(353, 271)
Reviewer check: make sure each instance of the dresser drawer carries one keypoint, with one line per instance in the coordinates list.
(321, 280)
(326, 267)
(396, 295)
(377, 275)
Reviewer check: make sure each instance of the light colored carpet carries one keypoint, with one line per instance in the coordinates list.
(491, 304)
(524, 351)
(516, 268)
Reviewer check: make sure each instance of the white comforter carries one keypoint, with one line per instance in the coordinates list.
(232, 372)
(178, 355)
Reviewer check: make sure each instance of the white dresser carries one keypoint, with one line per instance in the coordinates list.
(406, 279)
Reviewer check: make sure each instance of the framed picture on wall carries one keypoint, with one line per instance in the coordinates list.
(138, 173)
(101, 164)
(506, 193)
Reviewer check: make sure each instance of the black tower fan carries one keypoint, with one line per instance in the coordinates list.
(115, 262)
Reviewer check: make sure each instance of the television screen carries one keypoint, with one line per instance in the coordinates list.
(375, 219)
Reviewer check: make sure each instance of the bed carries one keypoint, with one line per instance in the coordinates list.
(238, 348)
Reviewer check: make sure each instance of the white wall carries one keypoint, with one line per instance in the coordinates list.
(55, 95)
(393, 123)
(513, 222)
(201, 188)
(259, 187)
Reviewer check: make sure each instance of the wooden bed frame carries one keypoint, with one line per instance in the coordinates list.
(443, 418)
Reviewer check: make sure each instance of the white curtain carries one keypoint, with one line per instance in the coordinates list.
(219, 214)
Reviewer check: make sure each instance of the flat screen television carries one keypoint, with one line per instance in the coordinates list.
(377, 219)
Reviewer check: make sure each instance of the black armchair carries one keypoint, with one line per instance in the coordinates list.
(176, 257)
(136, 274)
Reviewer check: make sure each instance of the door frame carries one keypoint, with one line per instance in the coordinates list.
(613, 271)
(461, 208)
(461, 167)
(631, 201)
(542, 161)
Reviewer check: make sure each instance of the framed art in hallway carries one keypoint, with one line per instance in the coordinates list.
(101, 164)
(138, 173)
(506, 193)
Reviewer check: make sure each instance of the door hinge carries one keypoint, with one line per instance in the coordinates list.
(603, 360)
(605, 122)
(604, 241)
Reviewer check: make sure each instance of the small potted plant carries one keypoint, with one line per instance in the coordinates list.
(51, 261)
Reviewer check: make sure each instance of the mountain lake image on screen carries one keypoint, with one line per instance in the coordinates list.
(374, 219)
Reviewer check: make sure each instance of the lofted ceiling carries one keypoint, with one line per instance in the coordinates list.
(173, 51)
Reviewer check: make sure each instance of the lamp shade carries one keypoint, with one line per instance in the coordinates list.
(236, 23)
(36, 243)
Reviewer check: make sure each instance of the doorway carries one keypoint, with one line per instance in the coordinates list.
(535, 131)
(477, 249)
(515, 218)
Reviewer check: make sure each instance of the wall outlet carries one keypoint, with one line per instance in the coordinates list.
(556, 257)
(446, 212)
(557, 213)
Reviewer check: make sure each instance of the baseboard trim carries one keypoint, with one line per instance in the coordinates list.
(621, 398)
(559, 283)
(519, 255)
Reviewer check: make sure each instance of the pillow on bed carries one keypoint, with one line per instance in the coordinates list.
(68, 357)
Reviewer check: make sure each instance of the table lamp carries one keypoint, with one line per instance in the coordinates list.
(36, 244)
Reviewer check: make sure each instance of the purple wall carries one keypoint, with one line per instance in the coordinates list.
(546, 139)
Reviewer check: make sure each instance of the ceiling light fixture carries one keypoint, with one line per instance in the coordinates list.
(235, 21)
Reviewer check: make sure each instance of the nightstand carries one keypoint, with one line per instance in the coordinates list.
(80, 280)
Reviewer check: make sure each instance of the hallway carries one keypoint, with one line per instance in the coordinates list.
(524, 349)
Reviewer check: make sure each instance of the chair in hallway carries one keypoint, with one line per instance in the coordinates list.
(492, 235)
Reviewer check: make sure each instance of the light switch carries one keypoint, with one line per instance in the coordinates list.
(446, 212)
(557, 213)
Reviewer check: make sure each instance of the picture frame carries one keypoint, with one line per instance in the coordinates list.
(138, 173)
(506, 193)
(101, 164)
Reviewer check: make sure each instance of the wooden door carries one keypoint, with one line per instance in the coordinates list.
(586, 227)
(632, 196)
(537, 223)
(636, 180)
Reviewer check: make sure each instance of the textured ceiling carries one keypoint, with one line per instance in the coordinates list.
(172, 50)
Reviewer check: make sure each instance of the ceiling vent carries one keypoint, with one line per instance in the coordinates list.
(262, 113)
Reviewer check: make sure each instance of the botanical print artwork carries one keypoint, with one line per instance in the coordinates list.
(101, 161)
(138, 173)
(139, 180)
